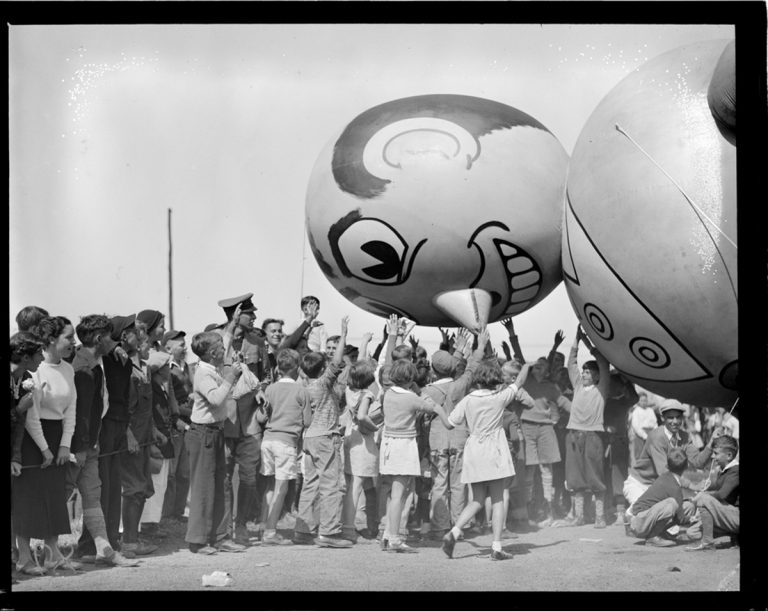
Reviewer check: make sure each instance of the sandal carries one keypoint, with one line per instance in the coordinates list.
(32, 569)
(63, 563)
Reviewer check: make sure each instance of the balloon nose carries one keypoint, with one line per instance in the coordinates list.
(468, 307)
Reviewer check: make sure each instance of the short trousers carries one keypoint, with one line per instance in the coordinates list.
(279, 458)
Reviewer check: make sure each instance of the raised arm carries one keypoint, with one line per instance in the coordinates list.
(513, 339)
(392, 328)
(559, 337)
(364, 341)
(338, 355)
(573, 362)
(292, 340)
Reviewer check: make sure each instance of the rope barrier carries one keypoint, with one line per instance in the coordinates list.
(141, 445)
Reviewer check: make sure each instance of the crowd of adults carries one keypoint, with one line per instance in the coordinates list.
(382, 441)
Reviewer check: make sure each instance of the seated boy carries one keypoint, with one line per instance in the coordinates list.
(207, 526)
(718, 505)
(661, 505)
(324, 483)
(291, 412)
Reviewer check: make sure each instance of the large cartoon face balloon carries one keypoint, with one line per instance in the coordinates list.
(649, 253)
(441, 208)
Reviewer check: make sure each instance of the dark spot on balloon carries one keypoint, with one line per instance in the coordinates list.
(729, 376)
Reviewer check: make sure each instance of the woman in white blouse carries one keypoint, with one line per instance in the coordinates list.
(39, 497)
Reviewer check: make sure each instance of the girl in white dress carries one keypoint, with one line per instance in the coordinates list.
(487, 460)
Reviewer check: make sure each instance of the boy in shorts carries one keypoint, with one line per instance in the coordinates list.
(288, 403)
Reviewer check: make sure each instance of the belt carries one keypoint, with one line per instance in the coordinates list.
(217, 426)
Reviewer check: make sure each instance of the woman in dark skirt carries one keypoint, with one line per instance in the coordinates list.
(39, 493)
(26, 354)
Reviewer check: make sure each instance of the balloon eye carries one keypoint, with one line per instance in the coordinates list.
(373, 252)
(390, 260)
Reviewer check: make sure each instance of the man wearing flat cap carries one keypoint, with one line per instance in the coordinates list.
(112, 439)
(652, 461)
(175, 344)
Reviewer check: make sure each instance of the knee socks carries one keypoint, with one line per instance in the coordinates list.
(93, 519)
(546, 482)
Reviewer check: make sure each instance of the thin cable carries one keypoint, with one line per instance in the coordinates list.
(685, 195)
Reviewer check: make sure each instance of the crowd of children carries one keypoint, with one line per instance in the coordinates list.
(348, 444)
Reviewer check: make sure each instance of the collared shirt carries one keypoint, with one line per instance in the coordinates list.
(209, 395)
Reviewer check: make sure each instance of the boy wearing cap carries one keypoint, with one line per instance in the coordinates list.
(324, 481)
(449, 495)
(652, 461)
(208, 522)
(175, 502)
(112, 439)
(140, 435)
(94, 332)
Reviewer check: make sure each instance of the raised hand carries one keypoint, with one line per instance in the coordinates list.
(392, 325)
(344, 323)
(366, 338)
(462, 338)
(559, 337)
(508, 325)
(311, 313)
(482, 338)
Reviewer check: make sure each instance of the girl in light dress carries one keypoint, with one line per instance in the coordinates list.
(487, 459)
(399, 454)
(361, 452)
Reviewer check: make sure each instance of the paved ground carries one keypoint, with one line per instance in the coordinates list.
(554, 559)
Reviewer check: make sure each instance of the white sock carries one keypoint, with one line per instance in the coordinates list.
(496, 546)
(456, 531)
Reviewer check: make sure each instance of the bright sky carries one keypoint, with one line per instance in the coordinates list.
(111, 125)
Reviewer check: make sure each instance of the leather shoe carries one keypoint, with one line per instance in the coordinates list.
(500, 555)
(302, 538)
(659, 542)
(449, 542)
(242, 537)
(229, 546)
(139, 548)
(701, 547)
(333, 541)
(205, 550)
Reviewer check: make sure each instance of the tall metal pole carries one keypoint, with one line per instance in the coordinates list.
(170, 273)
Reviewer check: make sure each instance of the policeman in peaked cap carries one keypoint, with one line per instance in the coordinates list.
(245, 303)
(245, 339)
